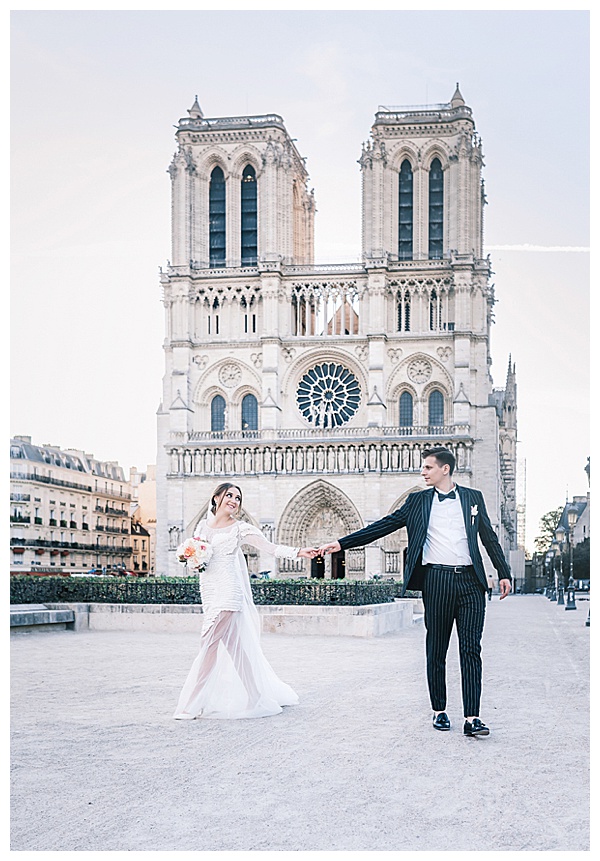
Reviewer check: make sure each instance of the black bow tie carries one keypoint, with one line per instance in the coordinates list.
(443, 496)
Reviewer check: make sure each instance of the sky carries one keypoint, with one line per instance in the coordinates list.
(94, 98)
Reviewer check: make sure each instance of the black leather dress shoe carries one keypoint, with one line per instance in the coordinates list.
(476, 727)
(441, 721)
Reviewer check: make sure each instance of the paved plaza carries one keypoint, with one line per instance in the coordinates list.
(99, 764)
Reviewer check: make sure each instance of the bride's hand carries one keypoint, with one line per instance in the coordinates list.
(308, 552)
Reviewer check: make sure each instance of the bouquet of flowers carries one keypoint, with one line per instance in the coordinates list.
(195, 553)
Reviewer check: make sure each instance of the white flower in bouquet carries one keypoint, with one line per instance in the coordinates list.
(195, 553)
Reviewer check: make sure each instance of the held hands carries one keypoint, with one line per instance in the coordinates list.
(308, 552)
(332, 547)
(311, 552)
(505, 588)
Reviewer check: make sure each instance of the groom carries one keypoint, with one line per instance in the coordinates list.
(443, 561)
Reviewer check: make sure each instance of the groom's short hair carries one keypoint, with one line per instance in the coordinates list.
(442, 455)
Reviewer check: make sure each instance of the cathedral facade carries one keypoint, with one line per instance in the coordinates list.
(316, 388)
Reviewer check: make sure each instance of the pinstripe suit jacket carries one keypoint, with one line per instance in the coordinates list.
(414, 514)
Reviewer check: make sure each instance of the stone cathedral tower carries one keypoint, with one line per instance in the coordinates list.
(317, 387)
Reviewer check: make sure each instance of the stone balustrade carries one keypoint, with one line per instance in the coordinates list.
(308, 458)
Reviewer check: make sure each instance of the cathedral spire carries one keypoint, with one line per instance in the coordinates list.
(195, 111)
(510, 391)
(457, 99)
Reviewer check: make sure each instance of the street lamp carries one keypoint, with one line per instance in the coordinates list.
(549, 565)
(557, 545)
(572, 520)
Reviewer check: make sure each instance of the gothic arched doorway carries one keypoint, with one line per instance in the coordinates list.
(320, 513)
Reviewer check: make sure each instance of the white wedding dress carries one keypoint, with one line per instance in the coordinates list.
(231, 678)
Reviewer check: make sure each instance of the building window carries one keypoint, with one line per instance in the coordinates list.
(216, 217)
(217, 413)
(404, 312)
(435, 311)
(436, 210)
(328, 395)
(249, 217)
(436, 409)
(213, 318)
(248, 310)
(249, 413)
(405, 212)
(406, 410)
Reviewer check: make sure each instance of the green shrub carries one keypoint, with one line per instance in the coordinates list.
(185, 590)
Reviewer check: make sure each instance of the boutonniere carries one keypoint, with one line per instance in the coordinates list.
(474, 513)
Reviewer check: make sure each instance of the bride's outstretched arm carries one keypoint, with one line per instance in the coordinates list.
(251, 535)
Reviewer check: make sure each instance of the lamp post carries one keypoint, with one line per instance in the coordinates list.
(558, 572)
(550, 574)
(572, 519)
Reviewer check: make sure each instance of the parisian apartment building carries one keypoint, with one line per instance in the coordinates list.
(317, 387)
(143, 519)
(69, 512)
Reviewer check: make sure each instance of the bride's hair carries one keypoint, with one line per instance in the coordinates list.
(219, 491)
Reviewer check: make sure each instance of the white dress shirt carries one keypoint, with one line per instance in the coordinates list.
(446, 542)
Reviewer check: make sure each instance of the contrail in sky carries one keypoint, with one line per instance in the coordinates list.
(526, 247)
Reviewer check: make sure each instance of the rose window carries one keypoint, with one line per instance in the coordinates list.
(328, 395)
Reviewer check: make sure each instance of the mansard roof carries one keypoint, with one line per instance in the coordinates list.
(24, 450)
(21, 448)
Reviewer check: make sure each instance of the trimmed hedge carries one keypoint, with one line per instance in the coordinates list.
(185, 590)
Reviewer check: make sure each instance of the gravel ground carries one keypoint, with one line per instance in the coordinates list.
(99, 764)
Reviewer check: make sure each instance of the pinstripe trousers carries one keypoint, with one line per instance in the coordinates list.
(450, 597)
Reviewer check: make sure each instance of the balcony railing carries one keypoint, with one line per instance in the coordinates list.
(313, 434)
(46, 479)
(19, 518)
(68, 545)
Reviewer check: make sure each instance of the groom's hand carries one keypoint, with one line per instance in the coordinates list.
(333, 547)
(505, 586)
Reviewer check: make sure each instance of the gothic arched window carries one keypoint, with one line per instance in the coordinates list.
(436, 409)
(249, 413)
(405, 211)
(435, 311)
(249, 217)
(403, 309)
(406, 410)
(436, 210)
(216, 218)
(217, 413)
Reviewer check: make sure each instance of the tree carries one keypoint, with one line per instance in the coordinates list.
(581, 560)
(548, 525)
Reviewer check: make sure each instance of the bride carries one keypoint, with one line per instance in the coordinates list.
(231, 678)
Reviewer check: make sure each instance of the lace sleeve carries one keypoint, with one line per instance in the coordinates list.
(251, 535)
